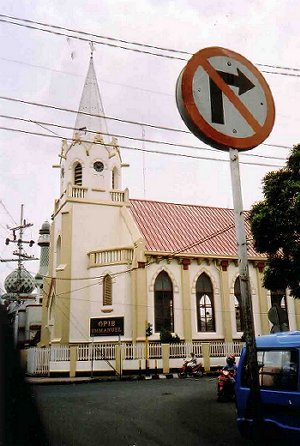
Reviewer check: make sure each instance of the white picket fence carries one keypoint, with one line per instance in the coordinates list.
(223, 349)
(40, 360)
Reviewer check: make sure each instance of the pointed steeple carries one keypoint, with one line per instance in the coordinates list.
(90, 103)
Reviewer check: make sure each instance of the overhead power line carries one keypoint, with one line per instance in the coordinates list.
(58, 30)
(110, 118)
(155, 152)
(8, 213)
(85, 39)
(113, 39)
(131, 138)
(123, 121)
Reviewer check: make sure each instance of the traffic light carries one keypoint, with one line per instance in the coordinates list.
(148, 329)
(31, 243)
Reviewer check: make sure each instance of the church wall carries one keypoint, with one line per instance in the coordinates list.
(224, 304)
(88, 303)
(97, 227)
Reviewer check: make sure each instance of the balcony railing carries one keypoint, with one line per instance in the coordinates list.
(119, 196)
(77, 191)
(111, 256)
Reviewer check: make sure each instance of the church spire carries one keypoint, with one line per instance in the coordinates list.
(90, 103)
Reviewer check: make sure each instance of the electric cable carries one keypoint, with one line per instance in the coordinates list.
(84, 39)
(8, 213)
(123, 121)
(127, 42)
(64, 127)
(154, 152)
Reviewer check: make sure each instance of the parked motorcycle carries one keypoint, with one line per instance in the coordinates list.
(186, 371)
(225, 385)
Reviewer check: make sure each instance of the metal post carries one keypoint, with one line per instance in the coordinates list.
(146, 350)
(92, 359)
(120, 353)
(20, 249)
(254, 400)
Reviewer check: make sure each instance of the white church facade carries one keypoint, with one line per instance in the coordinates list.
(117, 264)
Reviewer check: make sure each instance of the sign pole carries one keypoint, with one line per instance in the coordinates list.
(120, 355)
(92, 359)
(247, 310)
(146, 350)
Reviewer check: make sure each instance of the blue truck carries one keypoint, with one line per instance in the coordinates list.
(278, 357)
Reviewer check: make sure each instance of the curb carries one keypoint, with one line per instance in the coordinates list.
(33, 380)
(84, 380)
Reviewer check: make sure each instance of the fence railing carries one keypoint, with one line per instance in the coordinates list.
(220, 349)
(39, 359)
(183, 349)
(60, 353)
(99, 351)
(133, 351)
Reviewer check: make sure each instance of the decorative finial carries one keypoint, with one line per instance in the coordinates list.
(92, 46)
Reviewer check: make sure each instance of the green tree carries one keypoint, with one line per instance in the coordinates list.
(275, 224)
(166, 337)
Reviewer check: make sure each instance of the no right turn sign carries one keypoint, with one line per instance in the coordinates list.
(224, 100)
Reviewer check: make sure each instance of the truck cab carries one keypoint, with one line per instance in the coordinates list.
(278, 357)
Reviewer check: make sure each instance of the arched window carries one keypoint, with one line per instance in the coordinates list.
(107, 290)
(78, 174)
(238, 305)
(163, 302)
(278, 300)
(205, 304)
(58, 251)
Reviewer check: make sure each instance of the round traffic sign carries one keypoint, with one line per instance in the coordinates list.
(224, 100)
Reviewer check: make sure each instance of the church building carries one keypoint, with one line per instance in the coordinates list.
(117, 264)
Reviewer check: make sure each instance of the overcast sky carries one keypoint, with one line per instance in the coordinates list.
(48, 69)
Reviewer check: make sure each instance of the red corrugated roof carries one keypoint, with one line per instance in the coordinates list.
(202, 230)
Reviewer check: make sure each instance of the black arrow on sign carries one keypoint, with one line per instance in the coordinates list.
(238, 80)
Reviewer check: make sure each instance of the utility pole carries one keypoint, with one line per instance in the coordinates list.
(17, 293)
(19, 252)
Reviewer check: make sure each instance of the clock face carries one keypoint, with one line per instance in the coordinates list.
(98, 166)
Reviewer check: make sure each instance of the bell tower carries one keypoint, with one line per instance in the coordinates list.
(87, 222)
(90, 167)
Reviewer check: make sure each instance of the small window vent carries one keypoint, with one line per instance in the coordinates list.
(78, 175)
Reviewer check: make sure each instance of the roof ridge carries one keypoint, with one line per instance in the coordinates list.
(181, 204)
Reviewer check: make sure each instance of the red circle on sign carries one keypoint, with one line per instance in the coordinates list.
(200, 126)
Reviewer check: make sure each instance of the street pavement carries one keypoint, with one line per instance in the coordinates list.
(165, 412)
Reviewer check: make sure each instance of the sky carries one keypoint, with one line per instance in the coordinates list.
(50, 69)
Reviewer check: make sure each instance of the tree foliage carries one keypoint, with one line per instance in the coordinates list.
(166, 337)
(275, 224)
